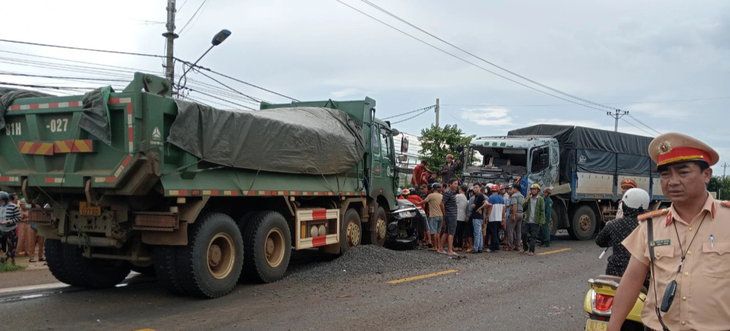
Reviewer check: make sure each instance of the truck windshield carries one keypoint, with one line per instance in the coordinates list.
(507, 160)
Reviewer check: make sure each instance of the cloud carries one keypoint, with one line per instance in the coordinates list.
(658, 110)
(348, 92)
(490, 116)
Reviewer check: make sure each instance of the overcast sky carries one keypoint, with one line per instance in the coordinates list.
(667, 62)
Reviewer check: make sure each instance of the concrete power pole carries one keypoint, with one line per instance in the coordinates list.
(724, 167)
(617, 115)
(438, 108)
(171, 36)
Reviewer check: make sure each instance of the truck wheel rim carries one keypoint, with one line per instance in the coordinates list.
(353, 234)
(585, 222)
(274, 247)
(380, 228)
(221, 255)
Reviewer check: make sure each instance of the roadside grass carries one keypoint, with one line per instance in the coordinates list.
(7, 267)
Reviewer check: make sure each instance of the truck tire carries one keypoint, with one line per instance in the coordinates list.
(166, 268)
(583, 224)
(267, 247)
(351, 231)
(96, 273)
(242, 222)
(379, 226)
(209, 266)
(54, 258)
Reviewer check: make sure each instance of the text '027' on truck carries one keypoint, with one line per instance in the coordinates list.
(201, 197)
(584, 166)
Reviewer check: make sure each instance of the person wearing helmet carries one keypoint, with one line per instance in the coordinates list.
(636, 201)
(626, 184)
(545, 228)
(534, 207)
(9, 218)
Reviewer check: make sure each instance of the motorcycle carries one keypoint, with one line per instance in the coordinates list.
(599, 301)
(403, 229)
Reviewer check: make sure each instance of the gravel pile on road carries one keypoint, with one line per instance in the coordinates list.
(371, 259)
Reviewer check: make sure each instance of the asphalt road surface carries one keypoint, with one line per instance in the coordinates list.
(502, 291)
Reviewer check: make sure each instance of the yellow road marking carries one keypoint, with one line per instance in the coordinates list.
(402, 280)
(145, 330)
(555, 251)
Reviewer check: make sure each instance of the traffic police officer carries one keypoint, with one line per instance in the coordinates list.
(690, 243)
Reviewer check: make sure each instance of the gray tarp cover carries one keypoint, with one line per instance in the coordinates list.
(308, 140)
(95, 114)
(7, 96)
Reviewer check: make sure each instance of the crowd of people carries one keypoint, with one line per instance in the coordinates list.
(467, 219)
(18, 237)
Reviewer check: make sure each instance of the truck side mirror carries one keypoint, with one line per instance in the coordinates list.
(460, 148)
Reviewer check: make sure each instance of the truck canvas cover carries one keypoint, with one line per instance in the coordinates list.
(301, 140)
(595, 151)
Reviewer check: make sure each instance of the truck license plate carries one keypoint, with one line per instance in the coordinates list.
(86, 210)
(592, 325)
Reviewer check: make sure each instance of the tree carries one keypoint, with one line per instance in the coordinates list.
(436, 142)
(721, 186)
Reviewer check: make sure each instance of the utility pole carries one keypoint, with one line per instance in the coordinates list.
(171, 36)
(438, 108)
(617, 114)
(724, 167)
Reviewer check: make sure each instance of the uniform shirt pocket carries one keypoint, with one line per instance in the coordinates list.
(663, 257)
(716, 259)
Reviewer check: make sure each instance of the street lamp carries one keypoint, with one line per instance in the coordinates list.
(217, 40)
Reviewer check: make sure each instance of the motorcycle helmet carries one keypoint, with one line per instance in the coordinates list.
(495, 188)
(436, 186)
(636, 198)
(537, 186)
(4, 195)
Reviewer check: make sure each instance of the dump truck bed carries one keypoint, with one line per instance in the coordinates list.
(45, 147)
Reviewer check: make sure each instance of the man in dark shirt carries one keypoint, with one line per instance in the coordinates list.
(477, 217)
(451, 210)
(634, 203)
(448, 171)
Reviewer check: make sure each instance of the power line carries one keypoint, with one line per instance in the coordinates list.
(247, 83)
(632, 124)
(642, 123)
(46, 86)
(410, 118)
(486, 61)
(232, 89)
(181, 6)
(469, 62)
(191, 17)
(409, 112)
(219, 98)
(562, 104)
(4, 73)
(104, 71)
(79, 48)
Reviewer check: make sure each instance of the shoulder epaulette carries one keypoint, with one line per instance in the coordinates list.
(653, 214)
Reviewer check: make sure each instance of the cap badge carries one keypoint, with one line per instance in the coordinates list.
(665, 147)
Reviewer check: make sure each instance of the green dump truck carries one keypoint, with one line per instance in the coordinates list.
(201, 197)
